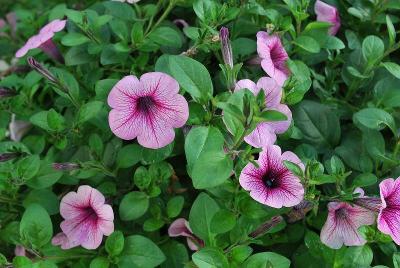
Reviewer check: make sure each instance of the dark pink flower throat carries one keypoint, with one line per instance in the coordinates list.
(145, 103)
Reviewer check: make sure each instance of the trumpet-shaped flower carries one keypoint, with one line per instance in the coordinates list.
(147, 109)
(180, 227)
(265, 133)
(273, 56)
(271, 183)
(87, 219)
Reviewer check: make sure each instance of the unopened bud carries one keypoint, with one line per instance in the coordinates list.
(226, 46)
(7, 92)
(42, 70)
(66, 166)
(8, 156)
(266, 226)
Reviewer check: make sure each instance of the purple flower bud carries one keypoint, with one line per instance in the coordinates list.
(226, 46)
(66, 166)
(266, 226)
(8, 156)
(181, 23)
(7, 92)
(371, 203)
(42, 70)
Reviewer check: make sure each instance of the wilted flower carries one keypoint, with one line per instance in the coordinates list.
(62, 240)
(341, 226)
(226, 46)
(389, 213)
(265, 132)
(328, 13)
(42, 70)
(180, 227)
(43, 40)
(299, 211)
(18, 128)
(87, 218)
(65, 166)
(266, 226)
(7, 92)
(271, 183)
(147, 109)
(273, 55)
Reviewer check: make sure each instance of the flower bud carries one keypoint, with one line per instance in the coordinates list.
(8, 156)
(66, 166)
(7, 92)
(42, 70)
(266, 226)
(226, 46)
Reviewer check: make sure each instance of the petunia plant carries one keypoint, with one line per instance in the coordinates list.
(199, 133)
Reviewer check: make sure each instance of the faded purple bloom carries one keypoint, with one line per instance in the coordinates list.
(43, 40)
(273, 55)
(266, 226)
(19, 250)
(180, 227)
(299, 211)
(18, 128)
(389, 214)
(62, 240)
(147, 109)
(265, 132)
(341, 226)
(181, 22)
(7, 92)
(328, 13)
(66, 166)
(8, 156)
(271, 183)
(226, 46)
(372, 203)
(87, 218)
(42, 70)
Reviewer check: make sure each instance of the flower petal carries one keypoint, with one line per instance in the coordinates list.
(173, 111)
(292, 157)
(281, 126)
(124, 92)
(125, 124)
(160, 84)
(273, 92)
(261, 136)
(247, 83)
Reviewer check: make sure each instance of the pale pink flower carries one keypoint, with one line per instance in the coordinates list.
(18, 128)
(273, 56)
(180, 227)
(62, 240)
(43, 40)
(265, 133)
(19, 251)
(271, 183)
(341, 226)
(328, 13)
(87, 218)
(147, 109)
(389, 214)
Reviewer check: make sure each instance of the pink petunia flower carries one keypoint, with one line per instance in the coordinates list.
(87, 219)
(62, 240)
(328, 13)
(180, 227)
(43, 40)
(341, 226)
(265, 133)
(271, 183)
(389, 213)
(273, 56)
(147, 109)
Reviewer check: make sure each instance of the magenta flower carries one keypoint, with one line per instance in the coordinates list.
(273, 56)
(328, 13)
(389, 214)
(43, 40)
(271, 183)
(87, 219)
(265, 133)
(180, 227)
(341, 226)
(147, 109)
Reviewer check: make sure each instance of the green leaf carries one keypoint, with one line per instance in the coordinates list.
(99, 262)
(36, 225)
(270, 116)
(372, 49)
(209, 257)
(40, 119)
(22, 262)
(208, 165)
(115, 243)
(46, 176)
(152, 224)
(137, 33)
(176, 254)
(391, 30)
(174, 206)
(119, 28)
(333, 42)
(129, 155)
(396, 260)
(44, 197)
(133, 206)
(241, 253)
(267, 259)
(365, 179)
(139, 252)
(191, 75)
(166, 36)
(358, 257)
(318, 123)
(393, 68)
(206, 10)
(89, 110)
(74, 39)
(223, 221)
(203, 210)
(142, 178)
(28, 167)
(375, 118)
(55, 121)
(307, 43)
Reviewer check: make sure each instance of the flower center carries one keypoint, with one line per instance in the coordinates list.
(90, 213)
(341, 213)
(278, 58)
(145, 103)
(269, 180)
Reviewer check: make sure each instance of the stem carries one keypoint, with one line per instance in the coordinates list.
(163, 16)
